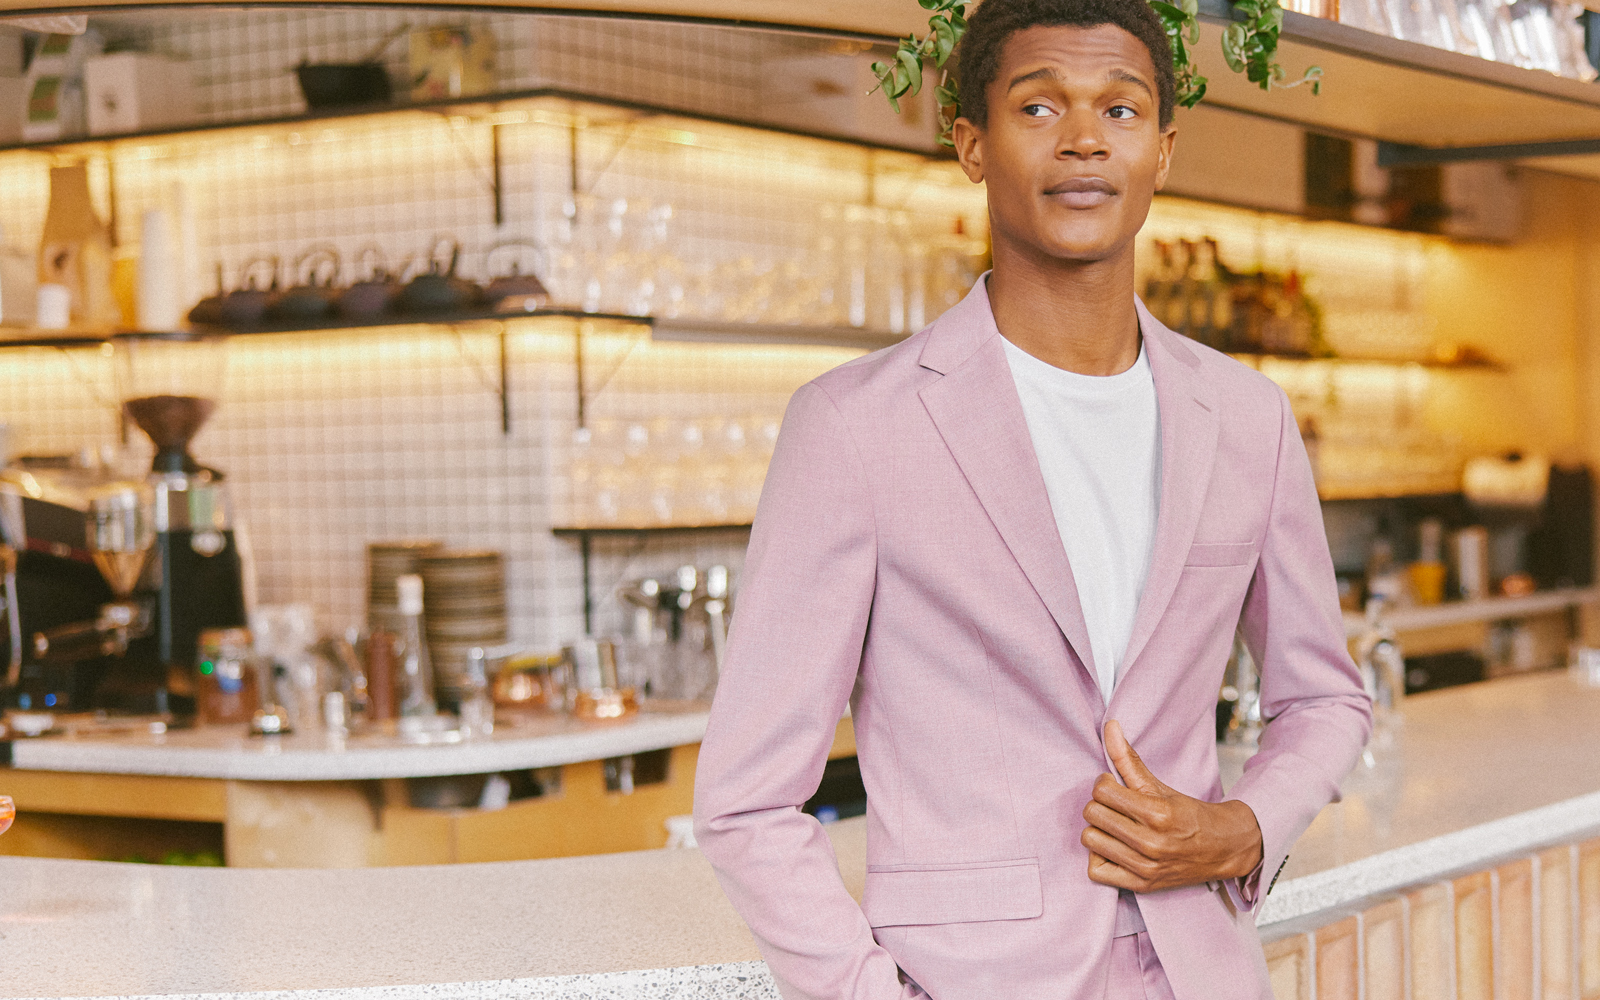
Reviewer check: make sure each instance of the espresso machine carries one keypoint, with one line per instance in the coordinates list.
(114, 580)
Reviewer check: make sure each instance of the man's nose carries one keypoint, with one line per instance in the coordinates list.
(1082, 138)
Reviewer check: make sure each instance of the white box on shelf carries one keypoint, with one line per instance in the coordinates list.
(136, 92)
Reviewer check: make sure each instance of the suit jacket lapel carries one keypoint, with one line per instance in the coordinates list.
(977, 411)
(1188, 416)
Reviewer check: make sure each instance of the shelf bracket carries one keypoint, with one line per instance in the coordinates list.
(1395, 154)
(497, 183)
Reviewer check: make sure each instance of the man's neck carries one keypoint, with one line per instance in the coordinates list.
(1078, 316)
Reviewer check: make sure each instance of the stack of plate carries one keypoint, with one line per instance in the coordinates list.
(463, 605)
(385, 562)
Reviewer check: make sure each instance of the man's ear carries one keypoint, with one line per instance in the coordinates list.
(1164, 155)
(968, 139)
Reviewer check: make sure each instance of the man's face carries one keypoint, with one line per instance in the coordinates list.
(1073, 150)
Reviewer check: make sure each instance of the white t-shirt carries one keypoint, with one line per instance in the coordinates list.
(1098, 440)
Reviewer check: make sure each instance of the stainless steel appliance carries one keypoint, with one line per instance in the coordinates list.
(114, 581)
(168, 383)
(679, 632)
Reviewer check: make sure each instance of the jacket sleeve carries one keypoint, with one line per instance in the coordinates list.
(794, 649)
(1317, 712)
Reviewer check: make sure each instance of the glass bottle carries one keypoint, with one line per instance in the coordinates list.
(1198, 288)
(1158, 287)
(415, 672)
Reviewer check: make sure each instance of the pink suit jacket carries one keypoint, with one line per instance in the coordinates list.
(905, 560)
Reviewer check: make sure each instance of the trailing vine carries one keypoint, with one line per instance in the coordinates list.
(903, 76)
(1248, 46)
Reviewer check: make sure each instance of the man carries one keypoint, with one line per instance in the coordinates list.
(1019, 544)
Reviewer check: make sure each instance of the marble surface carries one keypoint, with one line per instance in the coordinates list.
(228, 752)
(1487, 771)
(569, 927)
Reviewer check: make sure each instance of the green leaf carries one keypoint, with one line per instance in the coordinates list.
(1233, 41)
(946, 95)
(945, 141)
(944, 38)
(901, 85)
(931, 4)
(913, 70)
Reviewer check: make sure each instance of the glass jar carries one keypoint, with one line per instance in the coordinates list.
(227, 690)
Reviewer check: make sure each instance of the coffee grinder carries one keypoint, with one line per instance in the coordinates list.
(167, 383)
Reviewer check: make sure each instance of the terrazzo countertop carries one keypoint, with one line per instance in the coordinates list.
(228, 752)
(1486, 771)
(1482, 772)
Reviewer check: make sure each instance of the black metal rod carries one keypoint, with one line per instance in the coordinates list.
(577, 361)
(505, 385)
(585, 548)
(499, 187)
(1394, 154)
(572, 168)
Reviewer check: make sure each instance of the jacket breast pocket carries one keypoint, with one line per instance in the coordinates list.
(1220, 554)
(905, 895)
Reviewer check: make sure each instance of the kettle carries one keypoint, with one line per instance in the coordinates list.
(438, 289)
(208, 311)
(248, 303)
(515, 292)
(373, 295)
(313, 299)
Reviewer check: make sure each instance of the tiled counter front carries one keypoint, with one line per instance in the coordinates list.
(1527, 929)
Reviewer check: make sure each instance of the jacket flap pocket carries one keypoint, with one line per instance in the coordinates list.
(1220, 554)
(925, 894)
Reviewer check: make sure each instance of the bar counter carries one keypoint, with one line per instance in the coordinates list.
(227, 752)
(1488, 774)
(313, 800)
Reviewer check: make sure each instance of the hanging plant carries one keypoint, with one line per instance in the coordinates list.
(1248, 46)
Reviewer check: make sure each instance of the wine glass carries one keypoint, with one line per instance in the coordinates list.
(8, 812)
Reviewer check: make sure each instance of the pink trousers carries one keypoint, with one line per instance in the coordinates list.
(1135, 971)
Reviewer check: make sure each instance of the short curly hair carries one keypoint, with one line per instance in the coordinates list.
(997, 20)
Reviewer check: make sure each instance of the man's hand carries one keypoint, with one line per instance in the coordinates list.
(1146, 836)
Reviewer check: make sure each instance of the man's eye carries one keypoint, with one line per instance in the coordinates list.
(1036, 110)
(1121, 112)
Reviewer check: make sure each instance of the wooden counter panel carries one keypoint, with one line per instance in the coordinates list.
(129, 795)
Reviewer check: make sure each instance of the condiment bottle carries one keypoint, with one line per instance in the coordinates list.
(380, 675)
(414, 673)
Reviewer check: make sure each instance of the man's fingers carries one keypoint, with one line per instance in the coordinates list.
(1134, 774)
(1115, 851)
(1134, 834)
(1140, 806)
(1108, 873)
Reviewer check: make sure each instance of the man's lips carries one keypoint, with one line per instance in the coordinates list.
(1081, 192)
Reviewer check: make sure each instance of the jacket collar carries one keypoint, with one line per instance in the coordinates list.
(978, 412)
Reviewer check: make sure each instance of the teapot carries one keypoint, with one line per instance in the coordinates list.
(515, 292)
(373, 295)
(438, 289)
(313, 299)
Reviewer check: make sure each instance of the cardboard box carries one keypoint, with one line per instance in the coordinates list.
(136, 92)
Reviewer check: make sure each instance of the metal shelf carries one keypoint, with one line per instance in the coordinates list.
(1466, 364)
(1401, 92)
(1470, 612)
(490, 107)
(634, 531)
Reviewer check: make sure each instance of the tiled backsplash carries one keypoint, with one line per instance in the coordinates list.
(331, 440)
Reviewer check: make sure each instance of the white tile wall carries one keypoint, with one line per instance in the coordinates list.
(333, 440)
